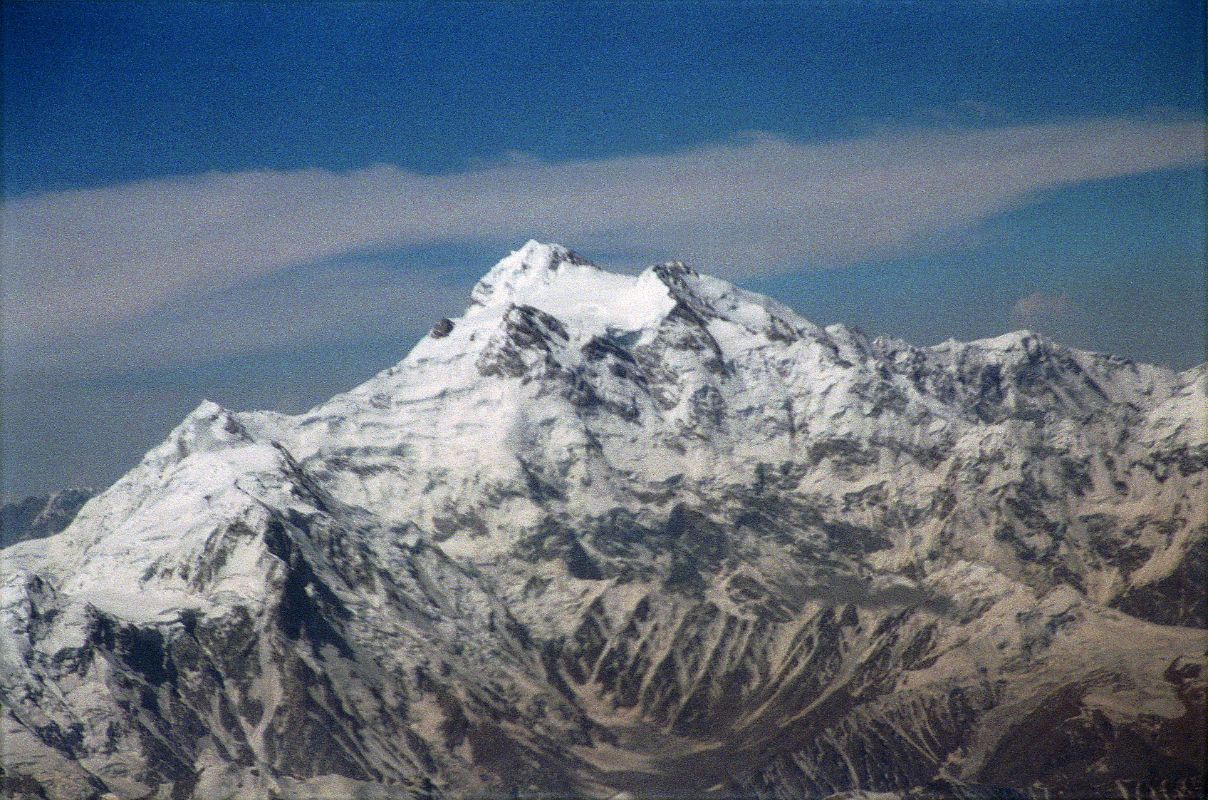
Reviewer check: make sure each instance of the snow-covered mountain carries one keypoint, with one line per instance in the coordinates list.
(640, 534)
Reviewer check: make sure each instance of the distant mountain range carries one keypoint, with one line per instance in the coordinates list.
(40, 515)
(637, 536)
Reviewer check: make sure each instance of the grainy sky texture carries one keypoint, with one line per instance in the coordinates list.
(265, 203)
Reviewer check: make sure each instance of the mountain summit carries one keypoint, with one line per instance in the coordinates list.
(649, 534)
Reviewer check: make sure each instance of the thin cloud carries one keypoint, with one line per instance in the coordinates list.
(82, 261)
(329, 305)
(1041, 307)
(840, 589)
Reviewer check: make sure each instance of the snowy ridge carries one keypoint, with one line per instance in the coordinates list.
(649, 534)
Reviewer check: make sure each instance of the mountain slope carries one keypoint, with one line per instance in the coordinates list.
(647, 534)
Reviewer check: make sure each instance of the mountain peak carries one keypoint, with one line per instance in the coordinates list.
(584, 297)
(532, 263)
(207, 427)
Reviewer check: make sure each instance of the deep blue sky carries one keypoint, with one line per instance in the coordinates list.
(100, 95)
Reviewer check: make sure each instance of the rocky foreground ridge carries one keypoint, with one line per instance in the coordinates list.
(644, 534)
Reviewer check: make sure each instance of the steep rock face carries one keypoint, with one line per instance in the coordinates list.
(649, 534)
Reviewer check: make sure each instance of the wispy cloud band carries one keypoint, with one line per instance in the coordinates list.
(77, 260)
